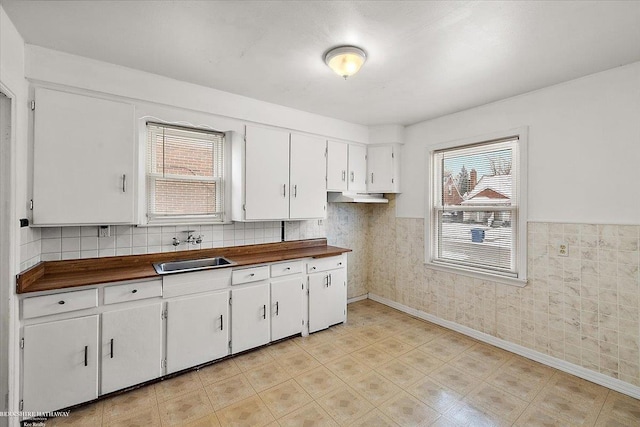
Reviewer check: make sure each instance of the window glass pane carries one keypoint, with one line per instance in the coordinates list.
(173, 197)
(187, 156)
(481, 238)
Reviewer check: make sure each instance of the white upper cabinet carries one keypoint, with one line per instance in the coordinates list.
(337, 165)
(357, 176)
(383, 168)
(278, 176)
(84, 160)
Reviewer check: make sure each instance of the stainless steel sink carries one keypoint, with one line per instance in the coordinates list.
(191, 265)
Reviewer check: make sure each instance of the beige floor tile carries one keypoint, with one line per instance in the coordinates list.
(400, 373)
(285, 398)
(374, 418)
(218, 371)
(177, 386)
(568, 407)
(267, 376)
(298, 363)
(434, 394)
(91, 414)
(444, 422)
(374, 387)
(229, 391)
(314, 339)
(147, 417)
(406, 410)
(284, 348)
(210, 420)
(130, 402)
(421, 361)
(185, 409)
(372, 356)
(497, 401)
(318, 381)
(465, 413)
(489, 354)
(250, 412)
(620, 409)
(326, 352)
(349, 343)
(344, 405)
(416, 337)
(253, 359)
(577, 389)
(447, 346)
(473, 366)
(520, 386)
(394, 346)
(347, 367)
(373, 333)
(455, 379)
(534, 416)
(310, 415)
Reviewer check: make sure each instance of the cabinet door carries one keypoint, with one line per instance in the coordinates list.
(337, 166)
(308, 184)
(197, 330)
(380, 169)
(131, 347)
(266, 174)
(319, 310)
(84, 160)
(60, 364)
(357, 168)
(337, 294)
(286, 307)
(250, 320)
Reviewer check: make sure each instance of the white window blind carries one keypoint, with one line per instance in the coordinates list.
(185, 173)
(474, 212)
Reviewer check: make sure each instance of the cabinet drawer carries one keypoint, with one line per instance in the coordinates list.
(175, 285)
(247, 275)
(285, 268)
(59, 303)
(132, 291)
(323, 264)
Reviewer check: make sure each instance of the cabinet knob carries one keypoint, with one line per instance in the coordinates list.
(60, 302)
(252, 274)
(339, 263)
(134, 291)
(287, 269)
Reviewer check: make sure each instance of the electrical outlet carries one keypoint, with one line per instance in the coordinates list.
(319, 222)
(104, 231)
(563, 249)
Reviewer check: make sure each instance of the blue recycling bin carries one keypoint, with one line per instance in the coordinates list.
(477, 235)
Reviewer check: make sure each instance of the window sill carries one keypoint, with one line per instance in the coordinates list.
(512, 281)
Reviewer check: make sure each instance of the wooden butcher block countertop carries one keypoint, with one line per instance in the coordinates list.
(54, 275)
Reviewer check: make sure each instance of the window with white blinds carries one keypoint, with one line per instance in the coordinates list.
(475, 208)
(185, 174)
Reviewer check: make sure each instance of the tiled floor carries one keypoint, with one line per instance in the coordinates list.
(383, 368)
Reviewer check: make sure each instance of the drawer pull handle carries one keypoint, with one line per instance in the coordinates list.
(252, 274)
(86, 351)
(221, 323)
(111, 348)
(264, 311)
(313, 268)
(287, 269)
(60, 302)
(134, 291)
(277, 308)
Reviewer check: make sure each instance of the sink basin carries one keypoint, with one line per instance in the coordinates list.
(191, 265)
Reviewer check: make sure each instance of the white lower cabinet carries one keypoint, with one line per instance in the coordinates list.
(131, 347)
(327, 299)
(250, 319)
(197, 330)
(60, 363)
(286, 307)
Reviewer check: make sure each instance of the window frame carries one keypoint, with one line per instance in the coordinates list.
(223, 184)
(519, 211)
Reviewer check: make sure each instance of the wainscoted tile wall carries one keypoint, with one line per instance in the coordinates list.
(582, 308)
(83, 242)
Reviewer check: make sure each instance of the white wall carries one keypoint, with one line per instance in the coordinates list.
(61, 68)
(584, 148)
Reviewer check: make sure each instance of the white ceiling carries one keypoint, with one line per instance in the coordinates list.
(426, 58)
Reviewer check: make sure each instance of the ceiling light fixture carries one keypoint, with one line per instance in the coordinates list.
(345, 60)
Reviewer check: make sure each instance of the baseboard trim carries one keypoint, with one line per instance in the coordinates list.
(562, 365)
(358, 298)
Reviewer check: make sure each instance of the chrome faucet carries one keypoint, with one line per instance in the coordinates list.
(190, 239)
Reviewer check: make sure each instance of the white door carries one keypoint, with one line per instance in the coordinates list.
(319, 310)
(267, 174)
(250, 320)
(357, 168)
(197, 330)
(308, 185)
(286, 307)
(380, 168)
(337, 154)
(131, 347)
(84, 160)
(60, 364)
(337, 295)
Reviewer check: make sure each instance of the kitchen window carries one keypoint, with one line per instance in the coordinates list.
(185, 174)
(476, 213)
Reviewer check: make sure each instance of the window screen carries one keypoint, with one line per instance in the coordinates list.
(185, 171)
(475, 207)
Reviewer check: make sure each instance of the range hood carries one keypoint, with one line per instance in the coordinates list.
(347, 197)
